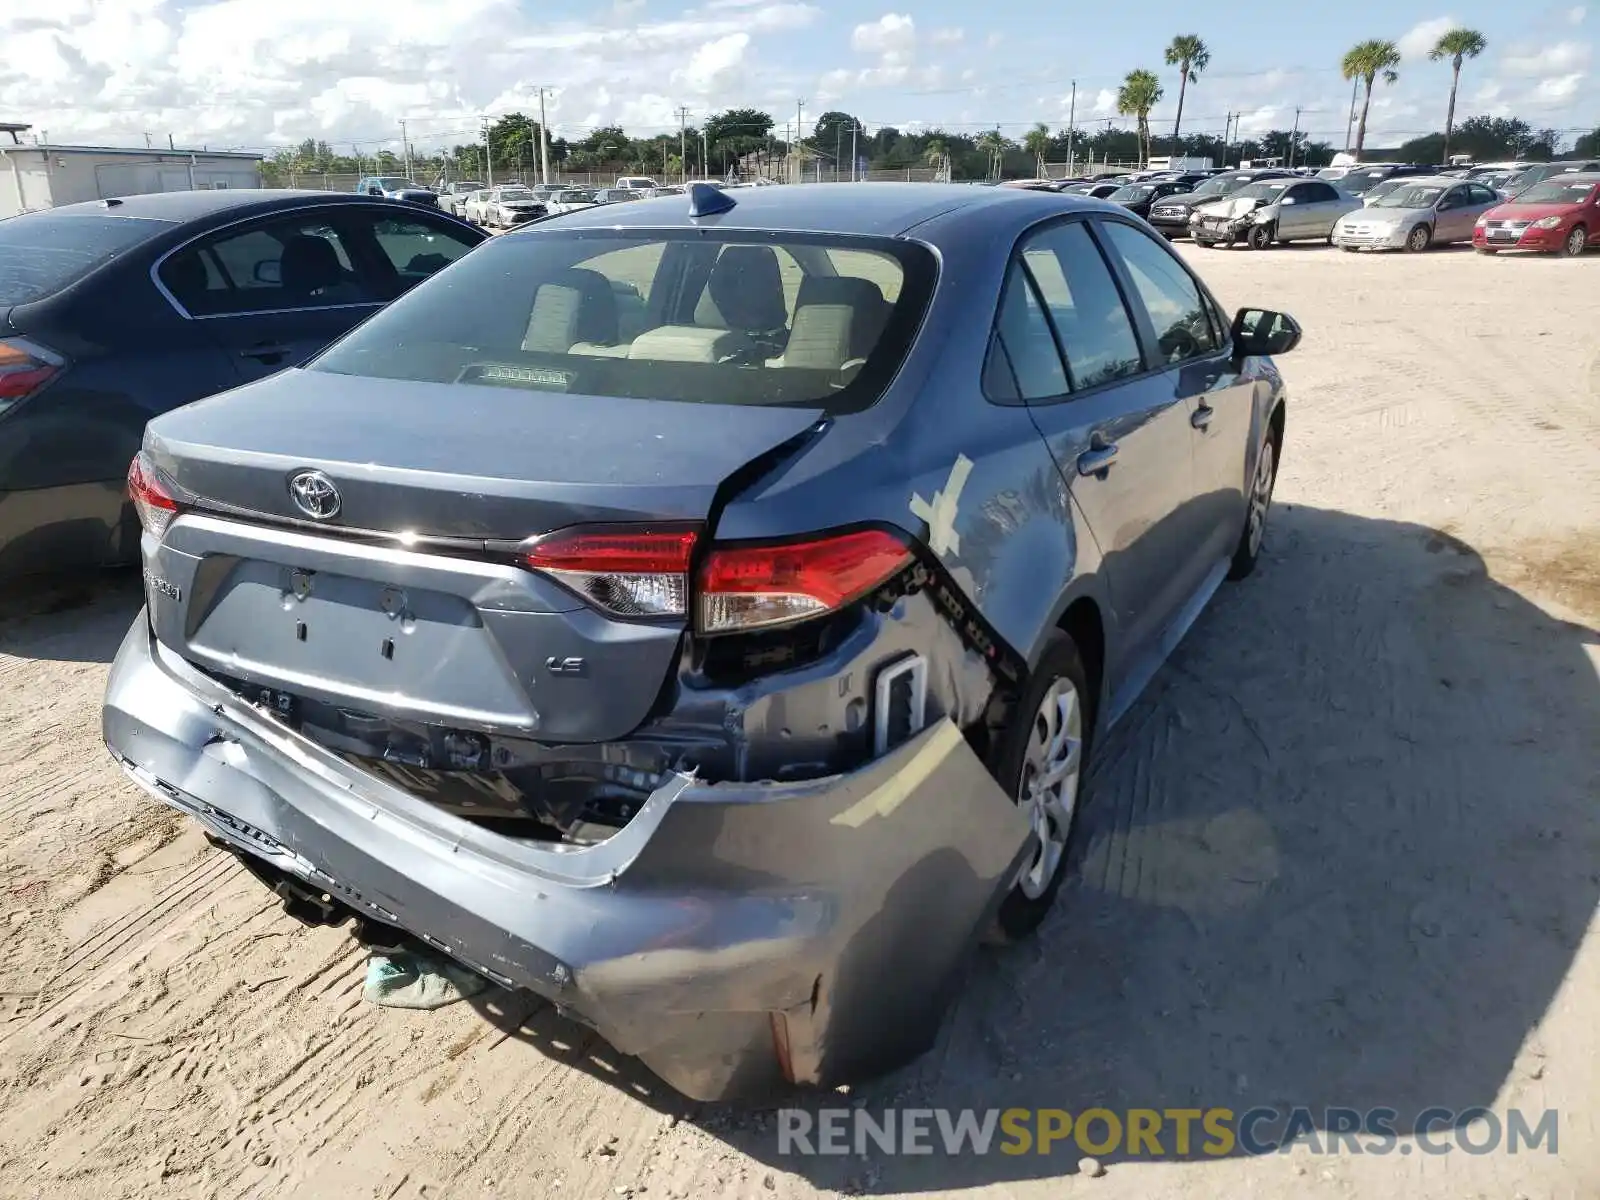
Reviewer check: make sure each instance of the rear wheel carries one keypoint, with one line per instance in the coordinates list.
(1486, 250)
(1040, 760)
(1419, 239)
(1577, 241)
(1351, 249)
(1259, 237)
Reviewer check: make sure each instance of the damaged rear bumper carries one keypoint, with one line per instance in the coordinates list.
(735, 937)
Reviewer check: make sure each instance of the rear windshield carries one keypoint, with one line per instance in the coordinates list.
(813, 320)
(1134, 191)
(46, 252)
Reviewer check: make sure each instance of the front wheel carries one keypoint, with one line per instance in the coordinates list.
(1486, 250)
(1259, 237)
(1576, 242)
(1248, 551)
(1040, 760)
(1419, 239)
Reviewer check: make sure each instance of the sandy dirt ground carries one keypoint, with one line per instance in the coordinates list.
(1345, 852)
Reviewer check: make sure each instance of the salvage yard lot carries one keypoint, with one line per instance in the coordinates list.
(1343, 853)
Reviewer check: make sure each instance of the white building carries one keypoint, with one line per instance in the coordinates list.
(46, 176)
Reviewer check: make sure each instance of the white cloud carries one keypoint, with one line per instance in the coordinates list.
(1560, 87)
(1423, 36)
(948, 37)
(1556, 59)
(716, 66)
(262, 73)
(1259, 121)
(1576, 15)
(1105, 102)
(994, 39)
(890, 34)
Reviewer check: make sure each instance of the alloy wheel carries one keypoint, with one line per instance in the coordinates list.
(1048, 790)
(1261, 497)
(1576, 240)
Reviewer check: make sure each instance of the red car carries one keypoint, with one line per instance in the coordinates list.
(1560, 215)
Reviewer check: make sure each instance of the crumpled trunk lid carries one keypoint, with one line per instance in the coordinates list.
(409, 602)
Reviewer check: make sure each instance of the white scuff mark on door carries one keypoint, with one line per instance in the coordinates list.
(940, 514)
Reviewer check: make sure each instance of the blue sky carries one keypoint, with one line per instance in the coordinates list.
(263, 73)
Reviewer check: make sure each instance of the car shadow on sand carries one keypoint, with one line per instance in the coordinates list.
(77, 619)
(1340, 855)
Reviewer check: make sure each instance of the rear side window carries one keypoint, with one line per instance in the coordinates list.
(45, 253)
(722, 318)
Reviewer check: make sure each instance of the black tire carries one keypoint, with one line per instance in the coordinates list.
(1419, 239)
(1020, 914)
(1577, 242)
(1351, 249)
(1248, 551)
(1259, 237)
(1486, 250)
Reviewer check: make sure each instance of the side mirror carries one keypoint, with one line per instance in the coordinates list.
(374, 191)
(1261, 331)
(1287, 200)
(268, 271)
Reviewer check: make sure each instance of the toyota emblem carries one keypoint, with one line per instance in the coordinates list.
(314, 494)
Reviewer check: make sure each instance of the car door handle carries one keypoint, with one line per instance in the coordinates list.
(265, 351)
(1097, 461)
(1201, 417)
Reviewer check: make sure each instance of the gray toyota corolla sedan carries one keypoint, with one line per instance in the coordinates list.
(700, 612)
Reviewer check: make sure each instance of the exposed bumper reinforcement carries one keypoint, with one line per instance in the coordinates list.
(732, 936)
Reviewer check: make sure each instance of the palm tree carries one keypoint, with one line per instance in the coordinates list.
(992, 143)
(1139, 93)
(1366, 61)
(1037, 142)
(1190, 55)
(1456, 45)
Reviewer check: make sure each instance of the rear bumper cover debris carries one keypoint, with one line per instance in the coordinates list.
(734, 937)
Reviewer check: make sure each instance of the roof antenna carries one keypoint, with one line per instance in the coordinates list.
(708, 201)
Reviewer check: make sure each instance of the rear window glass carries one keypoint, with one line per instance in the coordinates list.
(812, 320)
(43, 253)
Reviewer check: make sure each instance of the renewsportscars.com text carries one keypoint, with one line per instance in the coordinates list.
(1163, 1133)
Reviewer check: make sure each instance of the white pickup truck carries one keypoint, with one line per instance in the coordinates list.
(636, 183)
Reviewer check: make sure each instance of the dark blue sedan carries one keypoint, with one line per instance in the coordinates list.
(116, 310)
(701, 612)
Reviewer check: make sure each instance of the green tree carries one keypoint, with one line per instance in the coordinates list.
(1588, 145)
(1191, 56)
(1457, 45)
(1429, 148)
(831, 136)
(1037, 143)
(1366, 61)
(1493, 138)
(1139, 93)
(739, 131)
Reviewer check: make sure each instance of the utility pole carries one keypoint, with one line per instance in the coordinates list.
(1294, 137)
(799, 141)
(544, 143)
(405, 149)
(1072, 118)
(705, 154)
(683, 143)
(147, 141)
(488, 156)
(171, 145)
(855, 158)
(838, 150)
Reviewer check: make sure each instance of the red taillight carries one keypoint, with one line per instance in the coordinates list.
(25, 367)
(630, 572)
(644, 572)
(753, 587)
(151, 498)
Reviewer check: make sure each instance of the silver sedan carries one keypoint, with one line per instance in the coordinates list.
(1428, 211)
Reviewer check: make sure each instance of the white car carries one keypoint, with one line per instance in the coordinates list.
(637, 183)
(511, 204)
(453, 195)
(569, 200)
(473, 207)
